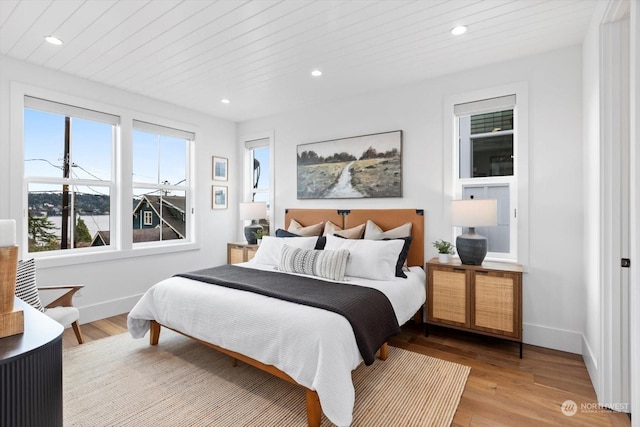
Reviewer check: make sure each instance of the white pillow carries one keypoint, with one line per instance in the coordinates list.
(270, 250)
(371, 259)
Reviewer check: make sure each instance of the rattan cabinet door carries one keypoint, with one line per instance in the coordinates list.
(448, 296)
(496, 303)
(240, 252)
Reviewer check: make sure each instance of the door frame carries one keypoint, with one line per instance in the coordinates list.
(634, 204)
(619, 336)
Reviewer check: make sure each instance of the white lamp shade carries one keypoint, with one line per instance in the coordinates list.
(253, 210)
(7, 232)
(474, 213)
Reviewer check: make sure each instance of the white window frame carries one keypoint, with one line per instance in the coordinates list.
(189, 137)
(120, 229)
(518, 183)
(249, 143)
(77, 112)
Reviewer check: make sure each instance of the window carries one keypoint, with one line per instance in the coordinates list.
(258, 174)
(160, 182)
(148, 218)
(487, 139)
(68, 175)
(74, 199)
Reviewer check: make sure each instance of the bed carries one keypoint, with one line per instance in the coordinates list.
(309, 346)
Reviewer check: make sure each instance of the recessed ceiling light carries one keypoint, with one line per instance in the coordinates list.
(458, 30)
(53, 40)
(316, 73)
(225, 101)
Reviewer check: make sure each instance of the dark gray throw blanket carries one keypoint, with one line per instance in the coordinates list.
(368, 310)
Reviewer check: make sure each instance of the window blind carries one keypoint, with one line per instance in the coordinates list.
(69, 110)
(163, 130)
(491, 104)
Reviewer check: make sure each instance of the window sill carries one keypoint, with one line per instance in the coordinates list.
(60, 260)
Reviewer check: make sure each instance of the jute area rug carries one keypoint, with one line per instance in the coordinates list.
(119, 381)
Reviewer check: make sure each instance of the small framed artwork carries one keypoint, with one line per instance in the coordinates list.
(219, 197)
(220, 168)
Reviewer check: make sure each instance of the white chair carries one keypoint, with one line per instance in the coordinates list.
(61, 309)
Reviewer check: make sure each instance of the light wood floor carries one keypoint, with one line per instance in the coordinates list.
(502, 389)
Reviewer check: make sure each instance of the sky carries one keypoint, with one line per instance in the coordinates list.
(156, 158)
(262, 155)
(357, 145)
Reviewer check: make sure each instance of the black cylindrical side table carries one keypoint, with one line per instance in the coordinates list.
(31, 372)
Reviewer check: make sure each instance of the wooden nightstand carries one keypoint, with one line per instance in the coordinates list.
(485, 299)
(240, 252)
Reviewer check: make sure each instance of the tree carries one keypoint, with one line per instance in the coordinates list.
(82, 231)
(340, 157)
(371, 153)
(309, 158)
(40, 236)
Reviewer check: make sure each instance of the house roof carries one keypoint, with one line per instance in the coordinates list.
(139, 235)
(172, 207)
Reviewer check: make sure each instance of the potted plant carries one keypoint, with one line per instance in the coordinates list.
(444, 250)
(258, 235)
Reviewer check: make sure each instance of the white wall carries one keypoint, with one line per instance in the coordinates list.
(553, 287)
(114, 285)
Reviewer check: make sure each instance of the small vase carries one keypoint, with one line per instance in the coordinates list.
(259, 241)
(443, 258)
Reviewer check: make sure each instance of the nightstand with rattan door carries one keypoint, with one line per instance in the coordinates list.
(240, 252)
(484, 299)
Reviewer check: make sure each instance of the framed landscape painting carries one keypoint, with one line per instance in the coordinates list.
(364, 166)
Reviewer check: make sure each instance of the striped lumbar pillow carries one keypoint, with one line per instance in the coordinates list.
(328, 264)
(26, 288)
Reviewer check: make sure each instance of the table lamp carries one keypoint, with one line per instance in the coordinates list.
(472, 213)
(253, 211)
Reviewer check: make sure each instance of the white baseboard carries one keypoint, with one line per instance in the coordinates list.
(592, 365)
(91, 313)
(557, 339)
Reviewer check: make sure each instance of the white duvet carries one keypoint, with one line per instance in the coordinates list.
(315, 347)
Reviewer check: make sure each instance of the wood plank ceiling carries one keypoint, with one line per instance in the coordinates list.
(259, 54)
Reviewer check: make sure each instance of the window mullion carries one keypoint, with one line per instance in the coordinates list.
(491, 134)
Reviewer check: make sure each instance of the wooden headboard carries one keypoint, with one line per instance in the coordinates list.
(308, 217)
(384, 218)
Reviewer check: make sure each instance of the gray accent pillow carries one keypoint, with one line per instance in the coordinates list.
(26, 288)
(327, 264)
